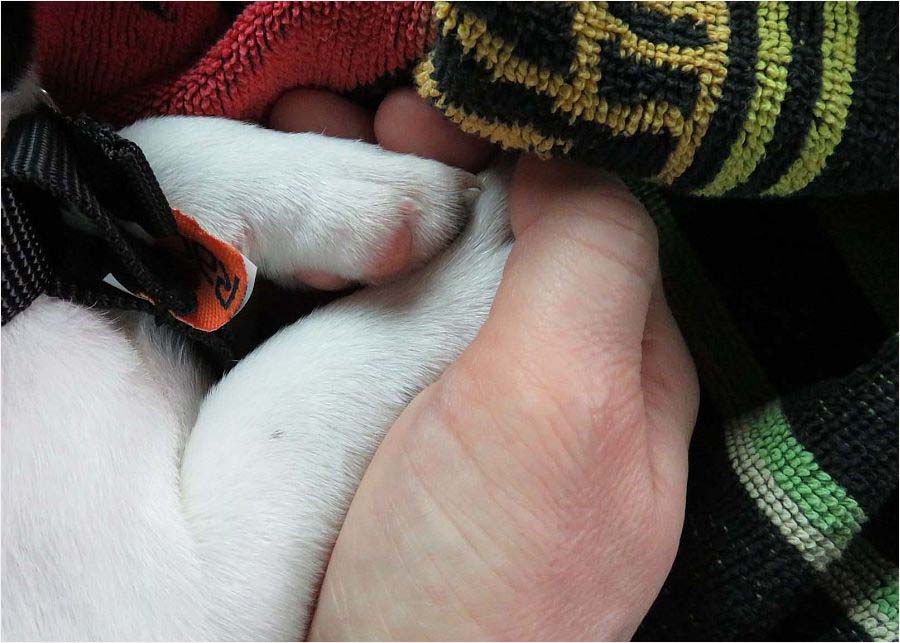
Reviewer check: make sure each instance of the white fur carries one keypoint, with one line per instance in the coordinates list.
(302, 201)
(138, 502)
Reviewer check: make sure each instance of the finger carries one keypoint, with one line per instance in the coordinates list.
(581, 272)
(312, 110)
(405, 123)
(541, 188)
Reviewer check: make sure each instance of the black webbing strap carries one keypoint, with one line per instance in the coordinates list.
(26, 269)
(71, 190)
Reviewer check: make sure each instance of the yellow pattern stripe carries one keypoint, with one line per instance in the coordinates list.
(577, 94)
(580, 97)
(841, 29)
(709, 64)
(517, 137)
(765, 106)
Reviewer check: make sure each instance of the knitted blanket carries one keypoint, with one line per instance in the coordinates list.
(789, 306)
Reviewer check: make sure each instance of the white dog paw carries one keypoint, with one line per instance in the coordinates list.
(303, 206)
(371, 215)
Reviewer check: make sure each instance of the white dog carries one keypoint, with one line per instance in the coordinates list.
(143, 501)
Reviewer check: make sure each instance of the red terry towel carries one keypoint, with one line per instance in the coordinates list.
(125, 60)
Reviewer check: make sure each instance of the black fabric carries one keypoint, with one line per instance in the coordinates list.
(41, 153)
(860, 162)
(539, 36)
(626, 83)
(70, 187)
(814, 617)
(864, 460)
(651, 25)
(735, 577)
(779, 274)
(772, 303)
(506, 102)
(884, 529)
(26, 269)
(801, 99)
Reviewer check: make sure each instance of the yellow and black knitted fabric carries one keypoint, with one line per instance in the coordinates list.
(708, 98)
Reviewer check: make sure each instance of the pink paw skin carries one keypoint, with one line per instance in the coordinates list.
(321, 280)
(393, 260)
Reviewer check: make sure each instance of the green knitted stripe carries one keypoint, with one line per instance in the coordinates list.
(812, 511)
(827, 505)
(815, 513)
(865, 585)
(835, 96)
(765, 105)
(815, 548)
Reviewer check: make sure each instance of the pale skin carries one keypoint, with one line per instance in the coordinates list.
(536, 490)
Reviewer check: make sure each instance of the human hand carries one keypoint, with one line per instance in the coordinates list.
(536, 491)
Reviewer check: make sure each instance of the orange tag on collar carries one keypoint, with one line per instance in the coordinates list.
(226, 276)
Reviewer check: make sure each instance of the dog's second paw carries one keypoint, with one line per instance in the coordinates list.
(307, 208)
(372, 215)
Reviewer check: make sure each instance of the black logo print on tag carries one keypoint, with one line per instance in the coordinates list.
(225, 284)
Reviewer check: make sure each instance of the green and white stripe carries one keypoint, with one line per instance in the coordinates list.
(811, 511)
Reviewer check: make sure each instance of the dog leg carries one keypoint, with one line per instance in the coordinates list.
(281, 443)
(95, 545)
(107, 532)
(302, 203)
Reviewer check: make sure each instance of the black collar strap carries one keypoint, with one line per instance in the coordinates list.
(72, 189)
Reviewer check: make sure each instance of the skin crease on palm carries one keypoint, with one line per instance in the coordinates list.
(536, 491)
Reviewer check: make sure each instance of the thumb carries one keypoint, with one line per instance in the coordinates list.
(584, 279)
(580, 276)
